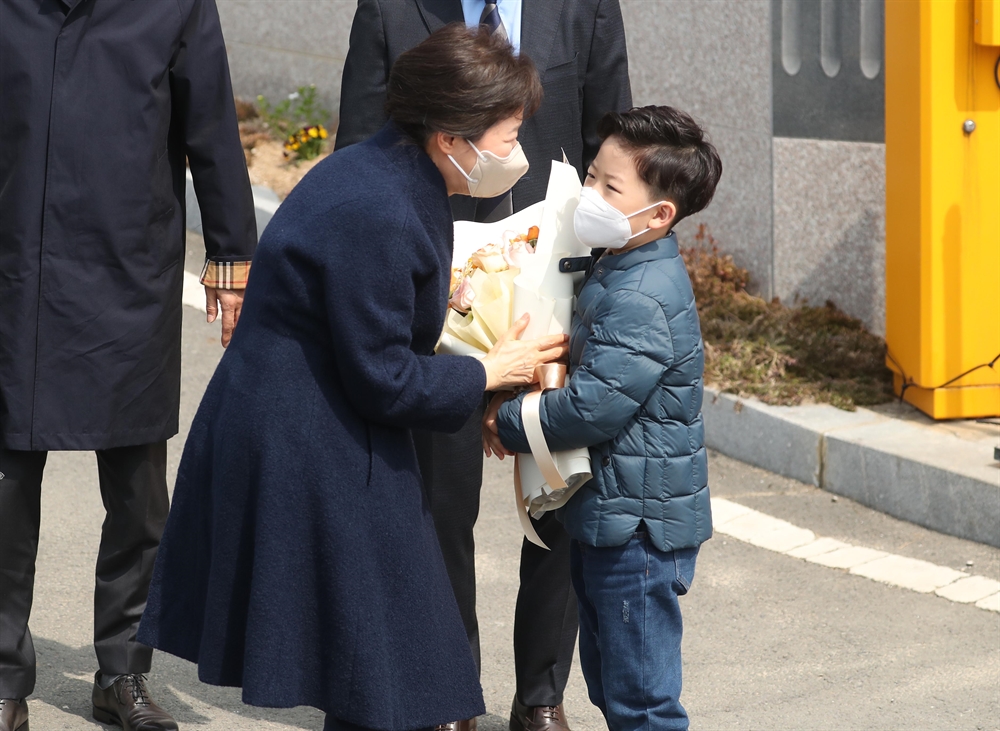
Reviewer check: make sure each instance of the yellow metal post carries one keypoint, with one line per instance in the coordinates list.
(987, 22)
(943, 203)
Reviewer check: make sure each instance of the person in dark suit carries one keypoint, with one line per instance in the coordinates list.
(105, 104)
(300, 560)
(579, 49)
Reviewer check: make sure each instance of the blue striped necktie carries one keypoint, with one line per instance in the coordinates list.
(491, 19)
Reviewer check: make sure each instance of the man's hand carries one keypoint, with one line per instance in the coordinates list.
(491, 435)
(231, 301)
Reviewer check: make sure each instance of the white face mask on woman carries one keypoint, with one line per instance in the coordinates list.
(491, 175)
(600, 225)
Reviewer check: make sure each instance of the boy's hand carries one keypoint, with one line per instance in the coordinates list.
(491, 434)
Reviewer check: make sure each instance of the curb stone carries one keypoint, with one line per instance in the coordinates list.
(933, 479)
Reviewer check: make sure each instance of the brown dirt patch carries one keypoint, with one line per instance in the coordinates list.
(268, 166)
(265, 152)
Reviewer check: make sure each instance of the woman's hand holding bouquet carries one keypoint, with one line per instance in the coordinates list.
(512, 362)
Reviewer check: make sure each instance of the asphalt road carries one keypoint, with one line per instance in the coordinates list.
(771, 642)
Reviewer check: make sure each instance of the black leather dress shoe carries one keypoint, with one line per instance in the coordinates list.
(126, 703)
(537, 718)
(469, 725)
(13, 715)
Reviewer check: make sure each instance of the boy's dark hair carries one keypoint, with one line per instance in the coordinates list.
(671, 154)
(460, 81)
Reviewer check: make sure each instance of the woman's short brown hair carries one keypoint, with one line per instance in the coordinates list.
(460, 81)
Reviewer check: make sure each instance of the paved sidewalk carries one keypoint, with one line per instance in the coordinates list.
(772, 641)
(774, 534)
(941, 475)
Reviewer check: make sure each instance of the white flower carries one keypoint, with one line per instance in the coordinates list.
(490, 259)
(514, 253)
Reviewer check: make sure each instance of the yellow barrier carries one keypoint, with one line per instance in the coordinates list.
(987, 22)
(943, 204)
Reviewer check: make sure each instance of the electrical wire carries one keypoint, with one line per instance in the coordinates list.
(907, 382)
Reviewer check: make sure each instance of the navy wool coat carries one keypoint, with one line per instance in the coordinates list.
(300, 559)
(101, 102)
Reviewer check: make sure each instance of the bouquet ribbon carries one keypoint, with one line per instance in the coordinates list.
(549, 377)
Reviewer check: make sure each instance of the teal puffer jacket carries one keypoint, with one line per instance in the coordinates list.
(634, 398)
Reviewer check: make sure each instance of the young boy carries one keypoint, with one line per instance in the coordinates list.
(634, 398)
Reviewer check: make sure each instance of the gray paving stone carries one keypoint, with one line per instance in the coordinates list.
(908, 573)
(992, 603)
(817, 548)
(847, 558)
(969, 590)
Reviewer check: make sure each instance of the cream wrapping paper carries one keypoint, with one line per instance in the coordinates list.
(545, 293)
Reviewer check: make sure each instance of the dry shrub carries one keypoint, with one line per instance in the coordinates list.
(246, 110)
(782, 355)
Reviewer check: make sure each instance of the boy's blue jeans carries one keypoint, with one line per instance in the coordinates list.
(630, 630)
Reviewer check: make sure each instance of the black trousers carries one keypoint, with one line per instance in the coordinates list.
(545, 620)
(134, 490)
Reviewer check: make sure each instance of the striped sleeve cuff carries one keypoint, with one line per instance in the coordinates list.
(225, 274)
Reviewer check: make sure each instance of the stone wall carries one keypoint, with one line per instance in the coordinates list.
(829, 225)
(806, 217)
(713, 59)
(276, 46)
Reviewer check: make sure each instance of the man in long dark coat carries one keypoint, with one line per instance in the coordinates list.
(579, 49)
(101, 103)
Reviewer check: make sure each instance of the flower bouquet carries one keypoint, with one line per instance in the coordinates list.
(481, 295)
(499, 275)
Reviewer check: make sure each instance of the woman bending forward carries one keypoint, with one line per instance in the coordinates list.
(300, 560)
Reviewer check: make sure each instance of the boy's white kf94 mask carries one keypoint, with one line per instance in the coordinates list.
(600, 225)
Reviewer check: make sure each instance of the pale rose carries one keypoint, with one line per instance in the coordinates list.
(514, 254)
(490, 259)
(457, 274)
(464, 296)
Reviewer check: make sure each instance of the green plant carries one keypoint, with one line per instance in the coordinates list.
(780, 354)
(307, 143)
(300, 110)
